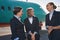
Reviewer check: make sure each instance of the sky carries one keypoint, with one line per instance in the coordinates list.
(43, 3)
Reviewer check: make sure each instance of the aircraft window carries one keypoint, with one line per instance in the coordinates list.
(9, 8)
(2, 7)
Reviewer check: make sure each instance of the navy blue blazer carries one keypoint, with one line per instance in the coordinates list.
(17, 28)
(55, 21)
(34, 27)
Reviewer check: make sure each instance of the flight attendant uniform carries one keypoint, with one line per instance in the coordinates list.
(53, 19)
(32, 26)
(17, 29)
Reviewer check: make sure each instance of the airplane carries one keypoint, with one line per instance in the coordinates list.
(7, 6)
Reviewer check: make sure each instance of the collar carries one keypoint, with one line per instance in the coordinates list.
(17, 17)
(51, 11)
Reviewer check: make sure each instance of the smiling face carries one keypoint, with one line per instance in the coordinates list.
(49, 7)
(30, 12)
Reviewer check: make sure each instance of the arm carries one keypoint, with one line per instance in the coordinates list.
(37, 26)
(46, 22)
(13, 28)
(58, 21)
(56, 27)
(37, 23)
(50, 28)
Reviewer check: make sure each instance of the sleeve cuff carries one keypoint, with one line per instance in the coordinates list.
(29, 32)
(35, 33)
(46, 27)
(16, 38)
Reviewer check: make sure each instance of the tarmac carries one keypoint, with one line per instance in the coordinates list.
(5, 34)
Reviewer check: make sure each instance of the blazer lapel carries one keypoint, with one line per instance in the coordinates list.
(33, 20)
(18, 20)
(48, 18)
(52, 16)
(29, 21)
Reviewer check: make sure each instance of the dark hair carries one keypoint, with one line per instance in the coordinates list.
(54, 6)
(16, 10)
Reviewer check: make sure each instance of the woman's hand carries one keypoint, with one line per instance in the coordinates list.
(50, 28)
(33, 36)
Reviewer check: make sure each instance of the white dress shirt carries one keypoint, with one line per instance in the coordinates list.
(17, 17)
(16, 38)
(50, 17)
(51, 14)
(30, 19)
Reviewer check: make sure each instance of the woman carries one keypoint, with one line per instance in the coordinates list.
(32, 25)
(17, 27)
(53, 22)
